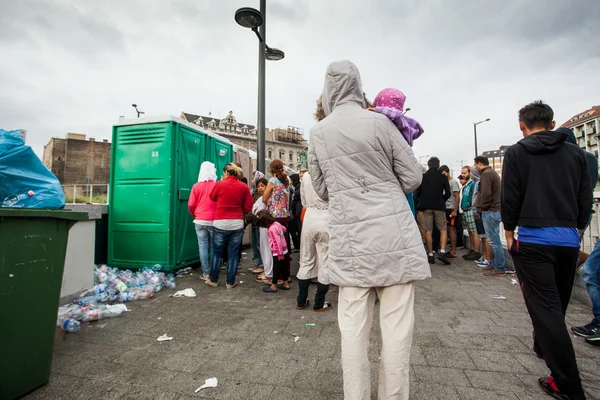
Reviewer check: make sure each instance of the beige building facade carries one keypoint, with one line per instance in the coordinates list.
(286, 144)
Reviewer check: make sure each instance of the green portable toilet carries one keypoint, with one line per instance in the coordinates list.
(155, 162)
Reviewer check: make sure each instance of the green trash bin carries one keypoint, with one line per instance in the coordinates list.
(33, 243)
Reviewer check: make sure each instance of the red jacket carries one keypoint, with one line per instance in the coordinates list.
(200, 204)
(233, 199)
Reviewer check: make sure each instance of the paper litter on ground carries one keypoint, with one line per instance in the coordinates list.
(497, 297)
(164, 338)
(514, 281)
(310, 324)
(296, 338)
(209, 383)
(189, 292)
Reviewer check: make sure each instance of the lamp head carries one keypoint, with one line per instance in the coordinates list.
(249, 17)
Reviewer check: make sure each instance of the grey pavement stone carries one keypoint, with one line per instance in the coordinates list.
(431, 391)
(478, 394)
(445, 357)
(449, 376)
(496, 361)
(465, 345)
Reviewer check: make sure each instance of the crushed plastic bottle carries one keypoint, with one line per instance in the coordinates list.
(185, 271)
(169, 281)
(18, 200)
(69, 324)
(86, 301)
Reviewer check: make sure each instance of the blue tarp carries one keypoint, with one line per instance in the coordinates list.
(21, 171)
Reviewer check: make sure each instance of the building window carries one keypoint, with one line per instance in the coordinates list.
(291, 156)
(281, 154)
(270, 154)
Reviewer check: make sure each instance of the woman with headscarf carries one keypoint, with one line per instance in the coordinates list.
(233, 203)
(203, 209)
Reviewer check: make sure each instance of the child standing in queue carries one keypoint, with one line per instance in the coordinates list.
(279, 249)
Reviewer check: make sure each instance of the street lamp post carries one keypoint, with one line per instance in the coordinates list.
(475, 133)
(137, 111)
(257, 21)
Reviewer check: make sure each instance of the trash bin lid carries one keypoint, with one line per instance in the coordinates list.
(42, 213)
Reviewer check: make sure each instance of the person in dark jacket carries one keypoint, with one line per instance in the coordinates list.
(591, 268)
(488, 206)
(433, 194)
(295, 225)
(547, 194)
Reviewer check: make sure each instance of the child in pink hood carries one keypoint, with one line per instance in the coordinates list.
(390, 102)
(279, 249)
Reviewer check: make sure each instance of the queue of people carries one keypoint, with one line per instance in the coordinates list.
(357, 227)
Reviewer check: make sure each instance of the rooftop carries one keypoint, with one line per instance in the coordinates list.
(582, 117)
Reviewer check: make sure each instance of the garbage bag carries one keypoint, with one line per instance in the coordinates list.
(25, 182)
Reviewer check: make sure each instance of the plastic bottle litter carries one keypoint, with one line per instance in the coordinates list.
(310, 324)
(69, 324)
(185, 271)
(169, 281)
(17, 201)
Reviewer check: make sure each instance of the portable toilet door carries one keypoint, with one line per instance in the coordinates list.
(190, 153)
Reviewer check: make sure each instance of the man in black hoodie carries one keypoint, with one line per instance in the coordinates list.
(433, 194)
(547, 193)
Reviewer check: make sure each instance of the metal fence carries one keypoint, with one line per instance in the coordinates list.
(86, 194)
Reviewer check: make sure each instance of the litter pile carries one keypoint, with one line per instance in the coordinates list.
(112, 285)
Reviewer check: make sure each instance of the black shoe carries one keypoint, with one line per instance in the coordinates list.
(431, 259)
(594, 339)
(443, 258)
(549, 386)
(588, 330)
(473, 256)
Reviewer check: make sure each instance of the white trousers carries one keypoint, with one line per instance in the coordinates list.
(265, 251)
(314, 246)
(396, 318)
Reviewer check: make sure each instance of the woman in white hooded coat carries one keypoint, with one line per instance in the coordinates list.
(363, 167)
(313, 248)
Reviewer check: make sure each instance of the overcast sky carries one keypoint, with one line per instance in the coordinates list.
(76, 66)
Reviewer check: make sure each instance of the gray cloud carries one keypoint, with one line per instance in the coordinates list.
(78, 66)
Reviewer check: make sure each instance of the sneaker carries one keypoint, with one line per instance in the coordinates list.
(431, 259)
(494, 272)
(469, 253)
(211, 284)
(479, 260)
(443, 258)
(509, 271)
(484, 264)
(306, 303)
(473, 256)
(228, 286)
(326, 306)
(588, 330)
(548, 385)
(594, 339)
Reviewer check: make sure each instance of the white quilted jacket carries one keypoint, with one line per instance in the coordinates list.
(361, 165)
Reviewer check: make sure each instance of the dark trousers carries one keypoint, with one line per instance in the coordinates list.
(280, 272)
(303, 285)
(546, 274)
(287, 262)
(295, 231)
(459, 231)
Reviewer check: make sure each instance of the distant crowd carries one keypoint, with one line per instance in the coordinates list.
(364, 217)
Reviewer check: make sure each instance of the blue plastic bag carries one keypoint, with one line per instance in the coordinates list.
(25, 182)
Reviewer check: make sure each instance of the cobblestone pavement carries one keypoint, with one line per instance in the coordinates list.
(466, 345)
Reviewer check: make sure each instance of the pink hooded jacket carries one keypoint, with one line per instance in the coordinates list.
(277, 240)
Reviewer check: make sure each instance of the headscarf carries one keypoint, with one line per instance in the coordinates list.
(208, 172)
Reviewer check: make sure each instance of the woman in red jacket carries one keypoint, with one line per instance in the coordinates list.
(233, 203)
(203, 209)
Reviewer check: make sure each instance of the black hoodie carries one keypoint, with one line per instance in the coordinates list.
(545, 183)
